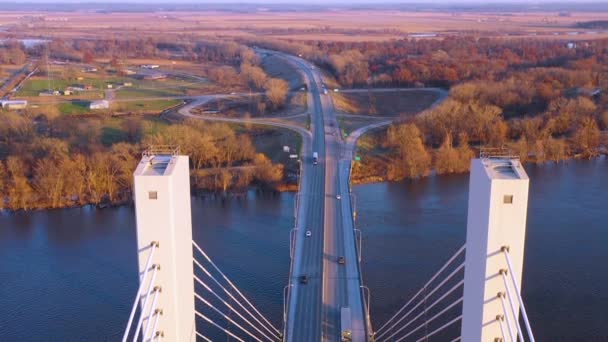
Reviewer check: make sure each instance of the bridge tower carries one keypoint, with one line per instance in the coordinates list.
(162, 209)
(498, 201)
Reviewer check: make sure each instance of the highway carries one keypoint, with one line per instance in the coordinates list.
(313, 307)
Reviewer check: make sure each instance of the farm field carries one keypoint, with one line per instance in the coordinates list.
(341, 24)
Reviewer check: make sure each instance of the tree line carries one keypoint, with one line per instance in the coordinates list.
(56, 161)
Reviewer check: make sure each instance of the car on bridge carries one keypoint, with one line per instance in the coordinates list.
(303, 279)
(341, 260)
(308, 233)
(338, 197)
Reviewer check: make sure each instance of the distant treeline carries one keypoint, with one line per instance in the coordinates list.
(594, 24)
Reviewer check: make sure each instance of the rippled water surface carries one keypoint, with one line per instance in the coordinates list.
(70, 275)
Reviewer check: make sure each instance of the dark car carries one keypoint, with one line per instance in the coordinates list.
(303, 279)
(341, 260)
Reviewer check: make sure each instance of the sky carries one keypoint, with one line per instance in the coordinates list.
(308, 1)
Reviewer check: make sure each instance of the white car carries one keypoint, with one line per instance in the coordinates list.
(308, 233)
(338, 197)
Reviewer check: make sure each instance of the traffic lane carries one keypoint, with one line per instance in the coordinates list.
(309, 303)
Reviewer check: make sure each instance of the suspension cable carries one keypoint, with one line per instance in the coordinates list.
(513, 311)
(232, 309)
(441, 328)
(218, 326)
(233, 286)
(156, 319)
(148, 291)
(226, 317)
(141, 286)
(425, 286)
(233, 298)
(518, 294)
(457, 339)
(426, 297)
(502, 328)
(431, 319)
(428, 308)
(203, 337)
(507, 319)
(150, 313)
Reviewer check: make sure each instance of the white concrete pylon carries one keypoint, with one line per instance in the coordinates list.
(162, 209)
(498, 202)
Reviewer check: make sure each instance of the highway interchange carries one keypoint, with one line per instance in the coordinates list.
(313, 308)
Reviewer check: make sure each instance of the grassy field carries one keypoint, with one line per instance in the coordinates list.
(35, 85)
(390, 103)
(350, 124)
(278, 68)
(336, 24)
(113, 130)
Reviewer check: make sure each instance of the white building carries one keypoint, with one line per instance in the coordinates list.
(163, 214)
(101, 104)
(14, 104)
(149, 66)
(498, 202)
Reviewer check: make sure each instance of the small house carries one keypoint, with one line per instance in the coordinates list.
(128, 72)
(149, 66)
(127, 84)
(101, 104)
(49, 93)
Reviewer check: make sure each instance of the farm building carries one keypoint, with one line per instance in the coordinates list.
(155, 76)
(49, 93)
(101, 104)
(14, 104)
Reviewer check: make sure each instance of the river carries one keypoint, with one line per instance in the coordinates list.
(71, 274)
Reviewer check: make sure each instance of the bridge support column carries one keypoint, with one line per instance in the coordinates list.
(162, 208)
(498, 201)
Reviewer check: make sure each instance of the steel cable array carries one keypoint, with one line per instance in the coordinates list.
(219, 294)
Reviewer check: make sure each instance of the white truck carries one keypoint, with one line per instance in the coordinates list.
(315, 158)
(345, 326)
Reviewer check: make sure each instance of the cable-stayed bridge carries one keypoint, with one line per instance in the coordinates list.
(184, 295)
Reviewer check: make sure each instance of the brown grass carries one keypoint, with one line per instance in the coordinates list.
(390, 103)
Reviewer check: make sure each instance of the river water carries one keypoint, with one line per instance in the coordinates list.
(70, 275)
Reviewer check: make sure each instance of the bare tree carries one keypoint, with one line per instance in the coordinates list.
(276, 91)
